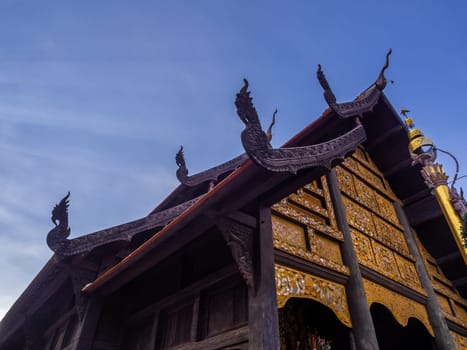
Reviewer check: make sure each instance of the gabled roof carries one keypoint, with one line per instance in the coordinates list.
(193, 205)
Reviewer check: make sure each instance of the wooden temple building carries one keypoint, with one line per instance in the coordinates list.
(347, 237)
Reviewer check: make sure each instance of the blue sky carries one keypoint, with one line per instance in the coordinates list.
(97, 96)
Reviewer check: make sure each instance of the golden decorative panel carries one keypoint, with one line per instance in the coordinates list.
(327, 248)
(363, 248)
(358, 217)
(408, 272)
(460, 340)
(386, 261)
(290, 237)
(390, 236)
(401, 307)
(288, 232)
(366, 195)
(291, 283)
(387, 210)
(307, 219)
(346, 183)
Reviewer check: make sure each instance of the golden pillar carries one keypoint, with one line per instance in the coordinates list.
(423, 152)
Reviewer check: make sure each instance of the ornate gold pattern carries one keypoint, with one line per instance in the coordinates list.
(376, 232)
(290, 237)
(386, 261)
(366, 195)
(400, 306)
(346, 183)
(408, 272)
(461, 341)
(292, 283)
(390, 236)
(386, 210)
(358, 217)
(363, 248)
(306, 219)
(288, 232)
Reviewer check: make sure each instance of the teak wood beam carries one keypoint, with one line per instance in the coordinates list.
(362, 322)
(263, 318)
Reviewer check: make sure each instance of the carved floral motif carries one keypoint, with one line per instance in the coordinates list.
(292, 283)
(401, 307)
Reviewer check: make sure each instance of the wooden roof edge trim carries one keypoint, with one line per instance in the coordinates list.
(296, 138)
(178, 222)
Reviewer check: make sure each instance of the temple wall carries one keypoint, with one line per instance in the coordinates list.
(304, 226)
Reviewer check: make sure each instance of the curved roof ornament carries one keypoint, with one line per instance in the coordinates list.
(291, 159)
(364, 103)
(211, 174)
(57, 238)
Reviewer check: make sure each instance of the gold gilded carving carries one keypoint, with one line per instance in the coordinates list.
(386, 261)
(390, 236)
(309, 202)
(372, 178)
(288, 232)
(366, 195)
(408, 272)
(386, 209)
(328, 249)
(358, 217)
(304, 218)
(363, 249)
(323, 251)
(346, 183)
(314, 187)
(460, 340)
(400, 306)
(291, 283)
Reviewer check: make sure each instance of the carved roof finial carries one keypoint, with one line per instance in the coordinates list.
(182, 171)
(381, 80)
(328, 94)
(269, 132)
(57, 237)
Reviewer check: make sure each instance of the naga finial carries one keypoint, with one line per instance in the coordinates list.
(269, 132)
(182, 171)
(381, 80)
(244, 103)
(328, 94)
(60, 211)
(57, 237)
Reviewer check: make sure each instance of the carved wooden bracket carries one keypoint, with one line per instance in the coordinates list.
(240, 239)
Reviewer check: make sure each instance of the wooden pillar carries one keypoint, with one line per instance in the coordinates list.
(362, 323)
(88, 325)
(263, 318)
(443, 337)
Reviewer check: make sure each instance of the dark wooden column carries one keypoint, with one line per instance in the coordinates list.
(88, 325)
(263, 318)
(443, 337)
(362, 322)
